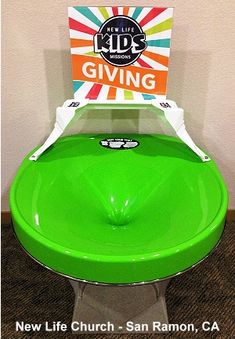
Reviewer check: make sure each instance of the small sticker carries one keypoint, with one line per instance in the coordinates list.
(119, 143)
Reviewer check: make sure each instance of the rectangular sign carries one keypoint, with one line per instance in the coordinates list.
(120, 52)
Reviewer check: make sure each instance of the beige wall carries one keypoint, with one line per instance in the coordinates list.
(37, 78)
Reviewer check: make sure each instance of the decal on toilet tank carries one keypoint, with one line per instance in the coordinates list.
(120, 52)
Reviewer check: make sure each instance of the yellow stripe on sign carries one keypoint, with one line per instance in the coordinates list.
(163, 26)
(104, 12)
(93, 54)
(128, 95)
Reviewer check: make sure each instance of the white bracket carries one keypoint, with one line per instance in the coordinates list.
(64, 116)
(173, 114)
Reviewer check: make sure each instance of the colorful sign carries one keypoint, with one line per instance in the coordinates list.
(120, 52)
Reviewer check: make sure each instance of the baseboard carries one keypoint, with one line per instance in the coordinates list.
(231, 215)
(6, 216)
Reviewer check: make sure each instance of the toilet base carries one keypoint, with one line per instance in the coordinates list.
(120, 309)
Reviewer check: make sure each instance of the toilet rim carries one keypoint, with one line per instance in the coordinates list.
(107, 258)
(96, 283)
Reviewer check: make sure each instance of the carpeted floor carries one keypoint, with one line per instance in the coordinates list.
(32, 294)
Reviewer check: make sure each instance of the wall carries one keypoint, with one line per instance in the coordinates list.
(37, 78)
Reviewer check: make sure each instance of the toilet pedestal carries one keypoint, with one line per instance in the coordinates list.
(131, 309)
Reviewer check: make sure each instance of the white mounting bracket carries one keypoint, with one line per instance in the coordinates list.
(173, 114)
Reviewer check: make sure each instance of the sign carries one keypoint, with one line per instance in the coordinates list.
(120, 52)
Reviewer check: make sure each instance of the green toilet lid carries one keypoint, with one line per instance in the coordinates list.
(118, 208)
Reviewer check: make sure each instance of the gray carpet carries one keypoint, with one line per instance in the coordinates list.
(32, 294)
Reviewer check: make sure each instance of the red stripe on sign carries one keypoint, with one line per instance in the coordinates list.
(77, 26)
(143, 63)
(94, 91)
(115, 10)
(152, 14)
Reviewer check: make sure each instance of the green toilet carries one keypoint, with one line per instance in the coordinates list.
(119, 209)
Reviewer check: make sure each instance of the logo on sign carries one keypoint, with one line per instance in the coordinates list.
(120, 41)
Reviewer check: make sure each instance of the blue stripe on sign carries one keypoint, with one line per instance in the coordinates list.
(89, 14)
(136, 13)
(159, 43)
(148, 96)
(77, 85)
